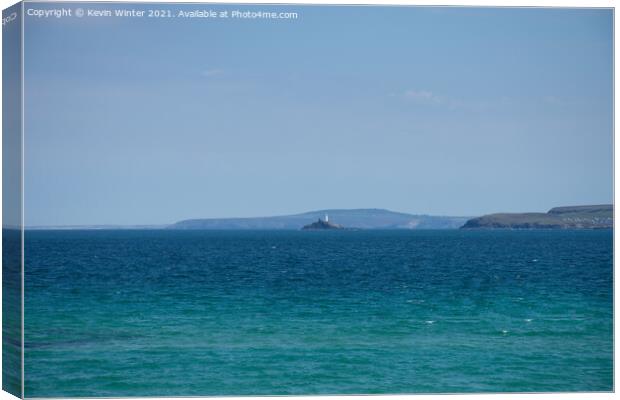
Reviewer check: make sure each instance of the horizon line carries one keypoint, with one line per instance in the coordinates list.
(164, 225)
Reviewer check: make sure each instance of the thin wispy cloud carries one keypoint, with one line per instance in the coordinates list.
(424, 96)
(428, 97)
(211, 72)
(553, 100)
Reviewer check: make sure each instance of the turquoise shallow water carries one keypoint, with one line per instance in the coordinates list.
(128, 313)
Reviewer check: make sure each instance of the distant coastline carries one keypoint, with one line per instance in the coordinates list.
(571, 217)
(93, 227)
(365, 218)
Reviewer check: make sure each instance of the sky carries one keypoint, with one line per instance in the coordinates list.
(441, 111)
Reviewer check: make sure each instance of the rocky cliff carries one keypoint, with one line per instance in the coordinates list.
(574, 217)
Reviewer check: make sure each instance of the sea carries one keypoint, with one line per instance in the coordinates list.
(213, 313)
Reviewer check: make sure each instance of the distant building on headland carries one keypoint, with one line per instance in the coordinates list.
(322, 225)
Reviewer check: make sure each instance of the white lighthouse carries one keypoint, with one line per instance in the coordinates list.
(326, 218)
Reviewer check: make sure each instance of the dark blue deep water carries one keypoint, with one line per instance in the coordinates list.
(123, 313)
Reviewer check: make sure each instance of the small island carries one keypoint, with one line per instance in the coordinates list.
(321, 225)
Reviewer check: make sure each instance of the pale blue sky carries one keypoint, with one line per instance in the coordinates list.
(447, 111)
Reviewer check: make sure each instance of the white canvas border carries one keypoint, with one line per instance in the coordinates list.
(476, 3)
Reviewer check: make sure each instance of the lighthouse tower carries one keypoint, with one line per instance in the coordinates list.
(326, 218)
